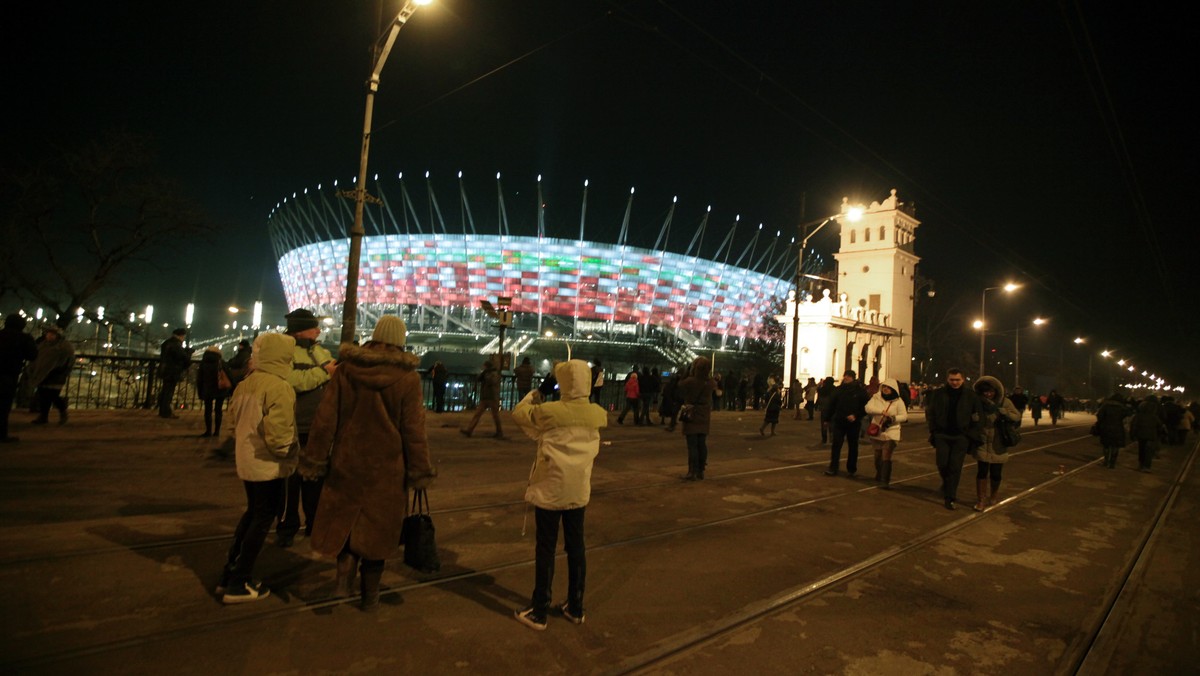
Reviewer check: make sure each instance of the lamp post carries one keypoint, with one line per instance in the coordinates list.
(852, 214)
(383, 47)
(982, 323)
(1017, 353)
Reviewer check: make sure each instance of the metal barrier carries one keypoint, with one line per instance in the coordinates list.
(108, 381)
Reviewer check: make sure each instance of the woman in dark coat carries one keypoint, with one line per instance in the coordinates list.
(369, 438)
(696, 391)
(824, 394)
(208, 388)
(1146, 428)
(1110, 423)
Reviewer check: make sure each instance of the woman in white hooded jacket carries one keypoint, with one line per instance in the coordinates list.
(887, 412)
(560, 485)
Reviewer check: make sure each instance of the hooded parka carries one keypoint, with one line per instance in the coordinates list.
(1110, 421)
(568, 436)
(368, 439)
(263, 410)
(989, 450)
(894, 408)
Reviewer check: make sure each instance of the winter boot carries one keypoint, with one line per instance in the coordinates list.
(1112, 460)
(371, 573)
(995, 491)
(887, 474)
(346, 563)
(878, 465)
(981, 486)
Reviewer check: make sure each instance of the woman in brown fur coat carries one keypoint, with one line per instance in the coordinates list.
(368, 439)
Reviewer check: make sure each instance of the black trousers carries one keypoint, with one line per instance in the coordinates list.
(849, 432)
(262, 505)
(547, 542)
(8, 392)
(165, 395)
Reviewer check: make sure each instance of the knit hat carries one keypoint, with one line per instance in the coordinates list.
(390, 329)
(179, 332)
(300, 320)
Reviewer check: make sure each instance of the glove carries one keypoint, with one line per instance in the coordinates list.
(311, 471)
(420, 484)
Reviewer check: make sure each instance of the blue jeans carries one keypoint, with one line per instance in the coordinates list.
(547, 540)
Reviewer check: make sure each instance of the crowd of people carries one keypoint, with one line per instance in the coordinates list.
(334, 446)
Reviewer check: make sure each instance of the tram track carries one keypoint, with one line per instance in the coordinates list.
(711, 631)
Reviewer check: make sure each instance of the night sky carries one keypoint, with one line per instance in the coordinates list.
(1041, 142)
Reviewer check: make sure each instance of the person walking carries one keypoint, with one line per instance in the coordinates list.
(597, 381)
(174, 361)
(632, 394)
(844, 417)
(211, 390)
(695, 396)
(263, 410)
(1056, 404)
(649, 384)
(669, 406)
(489, 400)
(810, 396)
(991, 455)
(438, 375)
(368, 443)
(49, 374)
(824, 396)
(524, 378)
(16, 348)
(560, 485)
(1020, 400)
(887, 413)
(1147, 428)
(1036, 406)
(1110, 424)
(773, 406)
(954, 416)
(312, 368)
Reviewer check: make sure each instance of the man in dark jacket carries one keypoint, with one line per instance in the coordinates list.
(489, 399)
(844, 415)
(954, 415)
(524, 377)
(174, 360)
(16, 348)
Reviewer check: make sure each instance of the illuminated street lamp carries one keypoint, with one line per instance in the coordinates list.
(852, 214)
(383, 47)
(1017, 352)
(982, 323)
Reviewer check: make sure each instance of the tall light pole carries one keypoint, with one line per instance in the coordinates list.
(383, 47)
(1017, 353)
(1008, 288)
(852, 214)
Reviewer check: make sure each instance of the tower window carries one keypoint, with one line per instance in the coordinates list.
(852, 237)
(866, 234)
(882, 234)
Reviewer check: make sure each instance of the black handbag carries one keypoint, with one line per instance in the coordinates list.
(1007, 435)
(420, 548)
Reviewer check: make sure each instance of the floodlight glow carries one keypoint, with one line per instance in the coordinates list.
(189, 313)
(1010, 287)
(257, 320)
(978, 324)
(854, 214)
(149, 313)
(1039, 321)
(1081, 341)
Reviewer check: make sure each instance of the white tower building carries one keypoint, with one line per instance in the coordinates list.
(867, 327)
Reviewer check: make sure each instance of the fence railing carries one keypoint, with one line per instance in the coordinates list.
(119, 382)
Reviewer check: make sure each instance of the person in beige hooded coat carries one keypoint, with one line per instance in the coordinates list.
(560, 483)
(368, 436)
(264, 432)
(991, 455)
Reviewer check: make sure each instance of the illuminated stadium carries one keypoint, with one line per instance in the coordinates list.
(435, 274)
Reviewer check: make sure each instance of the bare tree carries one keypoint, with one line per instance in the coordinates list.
(83, 220)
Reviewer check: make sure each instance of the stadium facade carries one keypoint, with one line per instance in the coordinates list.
(436, 274)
